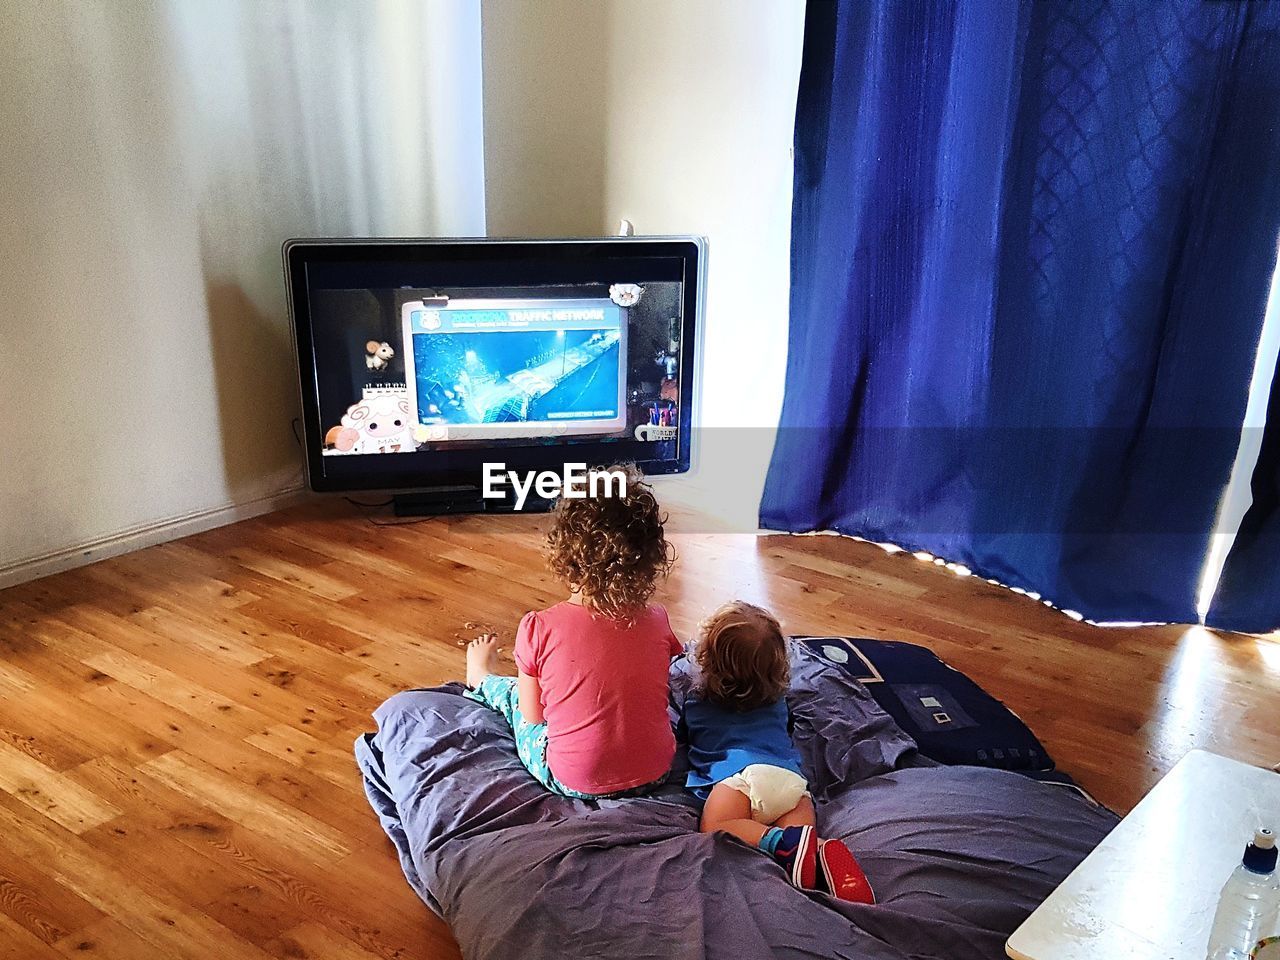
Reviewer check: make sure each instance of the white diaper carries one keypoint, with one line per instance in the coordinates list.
(772, 790)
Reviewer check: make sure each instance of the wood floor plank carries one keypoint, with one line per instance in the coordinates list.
(313, 580)
(165, 722)
(253, 809)
(37, 723)
(46, 659)
(108, 939)
(226, 896)
(176, 774)
(38, 903)
(19, 943)
(314, 941)
(177, 586)
(395, 929)
(187, 631)
(149, 658)
(146, 800)
(256, 914)
(237, 895)
(50, 793)
(194, 881)
(301, 750)
(313, 628)
(131, 897)
(23, 733)
(190, 697)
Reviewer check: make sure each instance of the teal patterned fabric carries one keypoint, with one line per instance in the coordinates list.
(501, 694)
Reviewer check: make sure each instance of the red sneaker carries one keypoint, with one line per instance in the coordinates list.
(840, 871)
(797, 852)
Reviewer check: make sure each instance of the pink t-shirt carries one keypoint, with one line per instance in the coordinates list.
(604, 694)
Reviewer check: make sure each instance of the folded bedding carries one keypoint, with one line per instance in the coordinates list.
(950, 717)
(958, 855)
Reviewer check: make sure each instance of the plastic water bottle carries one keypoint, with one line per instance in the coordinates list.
(1247, 910)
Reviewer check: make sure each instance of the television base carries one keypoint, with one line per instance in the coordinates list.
(444, 501)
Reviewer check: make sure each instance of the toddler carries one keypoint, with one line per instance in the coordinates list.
(741, 757)
(589, 704)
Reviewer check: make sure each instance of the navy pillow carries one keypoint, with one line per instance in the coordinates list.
(951, 718)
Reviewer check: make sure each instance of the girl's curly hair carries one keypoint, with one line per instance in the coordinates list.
(743, 658)
(611, 549)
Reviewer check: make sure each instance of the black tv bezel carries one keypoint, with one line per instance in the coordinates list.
(463, 467)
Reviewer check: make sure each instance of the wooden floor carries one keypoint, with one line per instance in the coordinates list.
(176, 777)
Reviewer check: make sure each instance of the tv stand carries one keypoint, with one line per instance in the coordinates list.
(442, 501)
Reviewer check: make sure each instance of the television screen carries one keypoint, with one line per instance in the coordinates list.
(421, 361)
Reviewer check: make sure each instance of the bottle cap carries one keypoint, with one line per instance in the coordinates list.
(1260, 855)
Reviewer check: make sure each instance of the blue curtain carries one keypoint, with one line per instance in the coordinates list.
(1248, 596)
(1031, 247)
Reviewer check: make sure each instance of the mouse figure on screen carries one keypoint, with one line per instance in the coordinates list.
(378, 355)
(626, 294)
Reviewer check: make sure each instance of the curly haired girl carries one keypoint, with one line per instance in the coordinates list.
(742, 760)
(589, 705)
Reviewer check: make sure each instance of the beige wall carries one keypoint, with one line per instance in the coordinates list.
(546, 116)
(678, 115)
(701, 108)
(153, 157)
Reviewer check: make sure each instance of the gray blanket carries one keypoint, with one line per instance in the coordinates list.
(958, 856)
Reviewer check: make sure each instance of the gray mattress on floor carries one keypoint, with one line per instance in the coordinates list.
(958, 856)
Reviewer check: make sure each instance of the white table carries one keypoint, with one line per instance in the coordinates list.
(1150, 889)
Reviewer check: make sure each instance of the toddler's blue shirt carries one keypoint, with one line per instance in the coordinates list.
(722, 742)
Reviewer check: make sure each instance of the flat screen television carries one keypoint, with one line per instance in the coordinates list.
(422, 361)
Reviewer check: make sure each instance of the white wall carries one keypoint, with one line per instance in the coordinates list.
(545, 116)
(153, 157)
(701, 113)
(677, 115)
(701, 109)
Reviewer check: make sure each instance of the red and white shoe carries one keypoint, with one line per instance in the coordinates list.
(797, 853)
(841, 874)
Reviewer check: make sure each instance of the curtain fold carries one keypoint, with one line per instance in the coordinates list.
(1030, 254)
(1248, 594)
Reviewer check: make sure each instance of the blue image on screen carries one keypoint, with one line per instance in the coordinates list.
(517, 376)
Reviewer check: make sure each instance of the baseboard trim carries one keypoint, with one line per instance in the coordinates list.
(145, 535)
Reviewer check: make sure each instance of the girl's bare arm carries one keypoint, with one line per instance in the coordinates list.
(530, 691)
